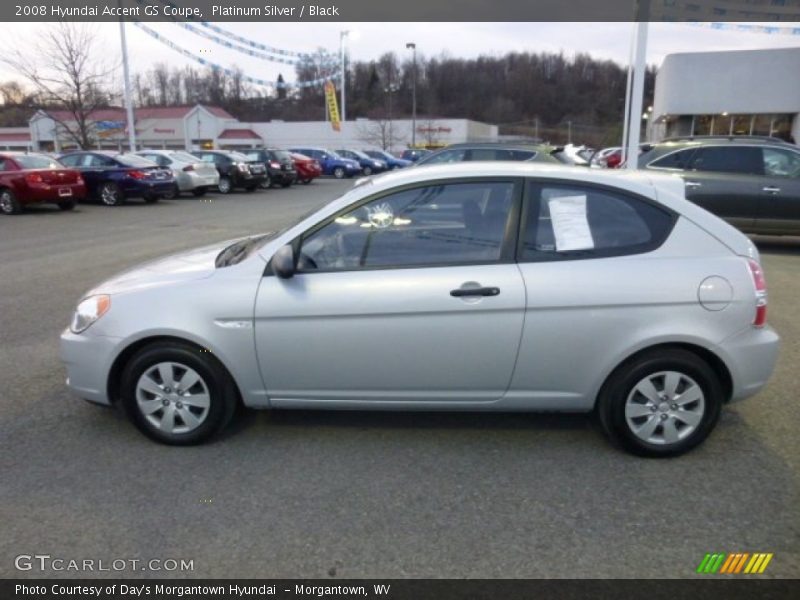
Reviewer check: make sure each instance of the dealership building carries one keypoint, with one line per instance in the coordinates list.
(743, 92)
(206, 127)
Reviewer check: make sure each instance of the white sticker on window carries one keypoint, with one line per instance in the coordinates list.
(570, 225)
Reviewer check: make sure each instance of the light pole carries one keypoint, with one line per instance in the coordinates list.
(127, 87)
(342, 36)
(413, 47)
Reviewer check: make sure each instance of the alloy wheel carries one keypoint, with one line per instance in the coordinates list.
(6, 205)
(665, 408)
(109, 195)
(173, 397)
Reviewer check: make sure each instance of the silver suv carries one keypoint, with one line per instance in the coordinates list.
(483, 286)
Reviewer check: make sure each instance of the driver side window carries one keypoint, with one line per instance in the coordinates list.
(458, 223)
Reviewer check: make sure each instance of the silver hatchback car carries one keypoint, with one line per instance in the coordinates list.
(476, 286)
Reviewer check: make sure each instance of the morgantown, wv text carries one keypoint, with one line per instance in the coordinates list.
(178, 591)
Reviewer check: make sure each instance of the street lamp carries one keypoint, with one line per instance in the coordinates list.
(342, 35)
(413, 47)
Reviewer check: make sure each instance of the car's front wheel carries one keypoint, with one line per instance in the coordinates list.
(177, 394)
(367, 171)
(225, 186)
(110, 194)
(661, 403)
(9, 205)
(339, 172)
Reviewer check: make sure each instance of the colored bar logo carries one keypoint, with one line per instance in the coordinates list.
(734, 563)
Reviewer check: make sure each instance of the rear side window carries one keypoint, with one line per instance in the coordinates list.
(743, 160)
(781, 163)
(674, 160)
(565, 222)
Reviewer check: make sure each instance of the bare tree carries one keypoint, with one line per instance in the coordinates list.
(66, 70)
(380, 132)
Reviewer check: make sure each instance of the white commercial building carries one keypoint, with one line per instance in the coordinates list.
(195, 127)
(747, 92)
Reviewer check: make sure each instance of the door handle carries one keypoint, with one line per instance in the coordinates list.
(693, 184)
(479, 291)
(771, 189)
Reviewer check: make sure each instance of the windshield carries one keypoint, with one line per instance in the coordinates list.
(131, 160)
(282, 154)
(239, 156)
(376, 153)
(184, 157)
(333, 154)
(37, 161)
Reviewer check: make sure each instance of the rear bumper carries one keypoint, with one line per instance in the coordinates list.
(88, 361)
(148, 188)
(52, 193)
(188, 181)
(277, 176)
(751, 356)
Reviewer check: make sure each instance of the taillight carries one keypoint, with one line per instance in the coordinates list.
(761, 293)
(137, 174)
(275, 165)
(33, 178)
(79, 179)
(188, 168)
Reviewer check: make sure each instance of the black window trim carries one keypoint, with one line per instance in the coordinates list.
(532, 196)
(507, 249)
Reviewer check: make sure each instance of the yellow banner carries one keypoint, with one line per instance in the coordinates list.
(333, 107)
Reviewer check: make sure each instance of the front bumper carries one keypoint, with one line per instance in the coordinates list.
(750, 356)
(88, 360)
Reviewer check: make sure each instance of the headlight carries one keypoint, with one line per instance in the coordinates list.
(88, 311)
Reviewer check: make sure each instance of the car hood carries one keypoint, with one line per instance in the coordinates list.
(184, 266)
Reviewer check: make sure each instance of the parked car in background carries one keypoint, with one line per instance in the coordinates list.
(113, 178)
(508, 262)
(235, 170)
(308, 169)
(278, 163)
(190, 173)
(607, 158)
(572, 155)
(368, 164)
(27, 179)
(391, 161)
(488, 151)
(414, 154)
(751, 182)
(330, 162)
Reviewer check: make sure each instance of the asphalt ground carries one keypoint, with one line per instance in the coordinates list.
(356, 494)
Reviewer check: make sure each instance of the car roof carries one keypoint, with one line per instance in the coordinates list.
(700, 140)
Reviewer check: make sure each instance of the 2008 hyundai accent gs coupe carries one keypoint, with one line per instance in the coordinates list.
(480, 286)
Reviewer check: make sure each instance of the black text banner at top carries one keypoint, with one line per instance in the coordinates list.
(768, 11)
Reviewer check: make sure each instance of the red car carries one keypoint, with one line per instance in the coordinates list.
(36, 178)
(307, 168)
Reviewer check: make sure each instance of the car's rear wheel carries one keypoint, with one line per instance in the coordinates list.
(339, 173)
(661, 403)
(224, 185)
(66, 204)
(367, 171)
(177, 394)
(110, 194)
(198, 192)
(9, 205)
(173, 193)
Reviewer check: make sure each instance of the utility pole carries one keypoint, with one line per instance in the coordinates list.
(637, 90)
(127, 85)
(413, 47)
(390, 89)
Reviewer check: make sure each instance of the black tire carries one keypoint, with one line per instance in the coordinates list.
(250, 188)
(66, 204)
(198, 192)
(339, 172)
(152, 198)
(173, 193)
(110, 194)
(286, 184)
(306, 181)
(367, 171)
(222, 393)
(266, 184)
(611, 402)
(9, 205)
(225, 185)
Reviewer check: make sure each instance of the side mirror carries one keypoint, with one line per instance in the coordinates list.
(283, 262)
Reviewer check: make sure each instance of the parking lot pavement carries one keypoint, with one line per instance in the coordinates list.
(314, 494)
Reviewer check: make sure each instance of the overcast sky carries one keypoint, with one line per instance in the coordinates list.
(370, 40)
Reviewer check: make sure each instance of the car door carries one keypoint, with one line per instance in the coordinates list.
(411, 297)
(779, 208)
(725, 181)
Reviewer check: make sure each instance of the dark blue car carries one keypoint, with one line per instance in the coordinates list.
(112, 177)
(331, 163)
(368, 164)
(391, 161)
